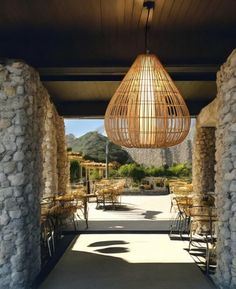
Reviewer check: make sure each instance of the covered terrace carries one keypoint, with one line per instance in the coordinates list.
(64, 59)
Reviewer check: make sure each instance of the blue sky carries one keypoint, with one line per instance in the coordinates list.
(79, 127)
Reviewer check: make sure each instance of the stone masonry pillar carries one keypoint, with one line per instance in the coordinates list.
(33, 164)
(20, 175)
(226, 174)
(204, 160)
(62, 159)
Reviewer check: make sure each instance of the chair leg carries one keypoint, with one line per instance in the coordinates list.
(207, 256)
(181, 223)
(175, 224)
(185, 224)
(53, 242)
(113, 202)
(171, 203)
(104, 203)
(97, 206)
(49, 247)
(86, 217)
(190, 237)
(171, 206)
(74, 223)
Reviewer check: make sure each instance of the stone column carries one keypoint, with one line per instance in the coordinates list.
(49, 151)
(204, 160)
(226, 174)
(20, 176)
(33, 163)
(62, 159)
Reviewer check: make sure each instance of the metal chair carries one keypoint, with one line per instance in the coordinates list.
(48, 236)
(202, 230)
(180, 224)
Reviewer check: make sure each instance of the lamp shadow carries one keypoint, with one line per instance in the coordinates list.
(107, 243)
(113, 250)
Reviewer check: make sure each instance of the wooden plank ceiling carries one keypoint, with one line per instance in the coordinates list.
(83, 48)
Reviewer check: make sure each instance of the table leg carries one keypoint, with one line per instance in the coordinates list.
(86, 212)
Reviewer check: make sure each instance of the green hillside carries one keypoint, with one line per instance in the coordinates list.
(92, 146)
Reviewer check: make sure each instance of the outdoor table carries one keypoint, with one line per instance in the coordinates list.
(86, 198)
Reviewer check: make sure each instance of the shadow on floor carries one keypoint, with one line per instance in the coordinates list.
(151, 214)
(80, 269)
(121, 208)
(113, 250)
(158, 192)
(147, 225)
(107, 243)
(47, 266)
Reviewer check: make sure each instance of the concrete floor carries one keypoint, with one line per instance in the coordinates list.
(126, 261)
(136, 213)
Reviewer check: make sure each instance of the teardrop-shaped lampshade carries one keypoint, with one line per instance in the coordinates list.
(147, 110)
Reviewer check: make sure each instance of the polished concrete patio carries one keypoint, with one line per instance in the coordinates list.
(126, 261)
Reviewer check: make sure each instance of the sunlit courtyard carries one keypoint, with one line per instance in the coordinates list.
(133, 213)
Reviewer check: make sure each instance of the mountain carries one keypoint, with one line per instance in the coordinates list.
(92, 146)
(181, 153)
(70, 139)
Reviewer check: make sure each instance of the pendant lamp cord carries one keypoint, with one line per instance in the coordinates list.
(147, 32)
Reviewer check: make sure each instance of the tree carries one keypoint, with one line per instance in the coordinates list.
(74, 171)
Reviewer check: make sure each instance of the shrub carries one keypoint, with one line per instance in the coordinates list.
(179, 170)
(113, 173)
(155, 171)
(95, 175)
(134, 171)
(137, 172)
(124, 171)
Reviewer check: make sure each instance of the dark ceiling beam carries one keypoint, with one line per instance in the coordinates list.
(175, 76)
(121, 69)
(178, 73)
(96, 109)
(43, 47)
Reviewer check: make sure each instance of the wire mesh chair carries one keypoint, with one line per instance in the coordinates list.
(203, 220)
(180, 224)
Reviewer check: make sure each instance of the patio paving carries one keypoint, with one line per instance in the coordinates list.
(136, 213)
(120, 261)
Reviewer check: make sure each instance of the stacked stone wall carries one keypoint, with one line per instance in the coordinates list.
(54, 153)
(28, 139)
(203, 169)
(50, 184)
(19, 177)
(63, 169)
(226, 174)
(204, 160)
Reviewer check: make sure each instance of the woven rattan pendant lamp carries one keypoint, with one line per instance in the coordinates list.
(147, 110)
